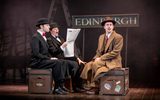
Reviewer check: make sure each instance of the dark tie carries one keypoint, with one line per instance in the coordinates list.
(44, 34)
(56, 37)
(106, 39)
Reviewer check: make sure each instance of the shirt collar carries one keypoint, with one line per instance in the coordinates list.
(54, 36)
(108, 34)
(39, 31)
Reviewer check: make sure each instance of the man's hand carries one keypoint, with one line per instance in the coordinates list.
(80, 61)
(97, 59)
(64, 45)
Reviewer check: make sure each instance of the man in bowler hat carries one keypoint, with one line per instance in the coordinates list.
(56, 47)
(41, 58)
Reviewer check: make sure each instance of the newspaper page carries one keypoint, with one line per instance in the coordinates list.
(70, 39)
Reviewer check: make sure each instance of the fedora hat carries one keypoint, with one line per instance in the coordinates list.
(53, 25)
(42, 21)
(108, 19)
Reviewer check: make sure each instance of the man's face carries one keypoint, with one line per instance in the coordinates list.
(45, 27)
(55, 31)
(108, 26)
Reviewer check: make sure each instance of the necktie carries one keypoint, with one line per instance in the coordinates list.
(44, 34)
(106, 39)
(56, 37)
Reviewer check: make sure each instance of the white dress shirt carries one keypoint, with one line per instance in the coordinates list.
(44, 37)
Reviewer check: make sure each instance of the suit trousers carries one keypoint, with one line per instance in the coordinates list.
(76, 80)
(59, 68)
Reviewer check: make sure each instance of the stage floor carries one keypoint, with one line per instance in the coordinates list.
(11, 92)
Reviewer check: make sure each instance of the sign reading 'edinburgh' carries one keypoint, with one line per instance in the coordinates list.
(94, 21)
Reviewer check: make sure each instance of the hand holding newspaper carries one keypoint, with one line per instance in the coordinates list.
(70, 39)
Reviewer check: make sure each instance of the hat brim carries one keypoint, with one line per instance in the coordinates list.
(38, 24)
(54, 25)
(114, 22)
(42, 21)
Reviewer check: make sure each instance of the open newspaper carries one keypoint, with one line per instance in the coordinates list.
(70, 39)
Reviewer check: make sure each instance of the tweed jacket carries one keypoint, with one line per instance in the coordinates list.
(109, 53)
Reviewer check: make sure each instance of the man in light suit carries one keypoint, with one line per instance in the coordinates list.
(108, 54)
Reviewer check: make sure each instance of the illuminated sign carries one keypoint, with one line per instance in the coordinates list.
(94, 21)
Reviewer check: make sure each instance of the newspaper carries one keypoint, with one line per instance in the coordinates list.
(70, 39)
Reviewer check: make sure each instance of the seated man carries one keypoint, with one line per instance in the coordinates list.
(108, 54)
(41, 58)
(56, 46)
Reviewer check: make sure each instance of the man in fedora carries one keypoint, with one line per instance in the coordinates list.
(41, 58)
(56, 47)
(108, 54)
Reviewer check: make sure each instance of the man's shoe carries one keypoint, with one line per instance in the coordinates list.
(92, 91)
(79, 90)
(65, 89)
(59, 91)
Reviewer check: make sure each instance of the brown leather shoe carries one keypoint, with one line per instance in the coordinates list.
(92, 91)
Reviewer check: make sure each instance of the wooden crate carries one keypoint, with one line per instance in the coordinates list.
(115, 82)
(40, 81)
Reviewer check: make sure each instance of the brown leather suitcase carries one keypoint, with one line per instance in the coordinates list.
(40, 81)
(115, 82)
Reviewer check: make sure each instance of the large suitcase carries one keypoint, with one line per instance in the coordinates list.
(40, 81)
(115, 82)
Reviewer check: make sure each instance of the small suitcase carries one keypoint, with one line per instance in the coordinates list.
(115, 82)
(40, 81)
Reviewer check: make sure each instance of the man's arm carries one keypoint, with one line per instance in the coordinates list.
(36, 49)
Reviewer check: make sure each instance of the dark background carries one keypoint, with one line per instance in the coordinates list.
(17, 24)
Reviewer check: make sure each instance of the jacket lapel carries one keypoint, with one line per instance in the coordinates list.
(56, 41)
(42, 39)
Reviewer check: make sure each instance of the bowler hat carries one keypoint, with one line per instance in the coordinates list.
(108, 19)
(53, 25)
(42, 21)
